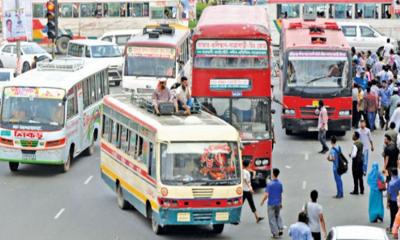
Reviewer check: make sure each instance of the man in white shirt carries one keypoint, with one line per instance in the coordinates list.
(322, 125)
(316, 220)
(248, 189)
(386, 50)
(366, 140)
(184, 95)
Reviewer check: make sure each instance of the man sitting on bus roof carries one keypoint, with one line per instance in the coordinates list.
(162, 95)
(184, 96)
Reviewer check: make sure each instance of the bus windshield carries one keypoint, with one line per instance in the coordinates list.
(200, 163)
(231, 54)
(317, 69)
(150, 61)
(39, 107)
(248, 115)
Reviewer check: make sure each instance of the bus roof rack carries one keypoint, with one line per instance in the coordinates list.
(66, 65)
(156, 31)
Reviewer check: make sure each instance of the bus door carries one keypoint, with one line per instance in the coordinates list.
(81, 116)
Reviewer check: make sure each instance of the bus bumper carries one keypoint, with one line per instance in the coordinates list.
(200, 216)
(311, 125)
(52, 157)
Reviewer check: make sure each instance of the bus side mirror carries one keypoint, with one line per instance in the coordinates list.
(64, 100)
(273, 111)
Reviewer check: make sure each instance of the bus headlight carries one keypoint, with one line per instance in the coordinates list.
(258, 162)
(289, 111)
(265, 162)
(344, 113)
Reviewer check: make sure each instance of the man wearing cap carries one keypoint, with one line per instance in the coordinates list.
(162, 94)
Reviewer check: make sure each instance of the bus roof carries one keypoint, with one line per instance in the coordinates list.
(164, 40)
(64, 79)
(233, 21)
(197, 127)
(316, 34)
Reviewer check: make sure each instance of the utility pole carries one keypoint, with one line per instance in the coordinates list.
(18, 68)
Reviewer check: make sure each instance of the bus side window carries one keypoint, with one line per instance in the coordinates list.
(98, 92)
(72, 107)
(104, 81)
(86, 93)
(124, 139)
(92, 89)
(106, 128)
(132, 144)
(115, 137)
(139, 149)
(152, 162)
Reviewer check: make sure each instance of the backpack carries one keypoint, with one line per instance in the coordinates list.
(343, 163)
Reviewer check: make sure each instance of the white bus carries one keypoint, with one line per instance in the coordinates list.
(175, 170)
(51, 114)
(162, 51)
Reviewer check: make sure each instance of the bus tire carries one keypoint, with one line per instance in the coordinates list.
(90, 150)
(122, 203)
(218, 228)
(340, 133)
(380, 51)
(117, 83)
(62, 44)
(67, 164)
(157, 229)
(288, 132)
(1, 64)
(13, 166)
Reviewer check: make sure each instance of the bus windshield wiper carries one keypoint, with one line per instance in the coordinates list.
(315, 79)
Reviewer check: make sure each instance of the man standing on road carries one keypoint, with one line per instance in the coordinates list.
(391, 155)
(300, 230)
(316, 220)
(357, 164)
(371, 105)
(322, 125)
(366, 140)
(248, 190)
(393, 189)
(334, 157)
(273, 192)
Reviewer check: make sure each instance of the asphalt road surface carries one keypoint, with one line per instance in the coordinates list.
(39, 203)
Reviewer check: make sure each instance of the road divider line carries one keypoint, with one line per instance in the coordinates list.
(59, 213)
(304, 185)
(306, 156)
(288, 167)
(88, 179)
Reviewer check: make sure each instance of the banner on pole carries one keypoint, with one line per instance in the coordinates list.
(17, 22)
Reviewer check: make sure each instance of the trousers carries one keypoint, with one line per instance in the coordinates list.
(274, 219)
(322, 138)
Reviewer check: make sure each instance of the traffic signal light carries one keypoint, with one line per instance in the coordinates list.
(52, 15)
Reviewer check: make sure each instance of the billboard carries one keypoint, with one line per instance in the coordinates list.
(17, 23)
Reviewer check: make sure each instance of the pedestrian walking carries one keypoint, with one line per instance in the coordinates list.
(334, 157)
(371, 106)
(316, 220)
(394, 101)
(396, 224)
(375, 208)
(396, 118)
(273, 192)
(392, 191)
(366, 140)
(390, 154)
(300, 230)
(392, 132)
(357, 164)
(356, 115)
(322, 125)
(248, 190)
(384, 98)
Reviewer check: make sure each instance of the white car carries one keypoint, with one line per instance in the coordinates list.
(120, 37)
(364, 37)
(357, 233)
(99, 51)
(29, 50)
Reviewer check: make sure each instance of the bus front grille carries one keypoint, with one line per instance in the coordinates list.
(202, 216)
(202, 192)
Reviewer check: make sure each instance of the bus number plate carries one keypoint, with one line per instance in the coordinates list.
(28, 157)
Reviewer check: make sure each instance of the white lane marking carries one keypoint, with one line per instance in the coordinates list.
(88, 179)
(59, 213)
(306, 156)
(288, 167)
(304, 185)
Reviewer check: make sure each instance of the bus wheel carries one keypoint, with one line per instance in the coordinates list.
(157, 229)
(13, 166)
(340, 133)
(1, 64)
(122, 203)
(117, 83)
(67, 164)
(217, 228)
(90, 150)
(25, 67)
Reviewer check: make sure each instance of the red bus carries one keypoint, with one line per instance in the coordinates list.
(316, 64)
(231, 76)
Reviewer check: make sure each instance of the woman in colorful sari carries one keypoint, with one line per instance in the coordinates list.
(375, 195)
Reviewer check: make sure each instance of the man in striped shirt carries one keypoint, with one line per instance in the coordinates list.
(322, 125)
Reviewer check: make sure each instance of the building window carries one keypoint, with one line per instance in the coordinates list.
(114, 9)
(386, 11)
(163, 13)
(288, 11)
(66, 10)
(75, 10)
(367, 11)
(39, 10)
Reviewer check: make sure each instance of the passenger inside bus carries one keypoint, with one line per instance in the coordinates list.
(58, 115)
(18, 115)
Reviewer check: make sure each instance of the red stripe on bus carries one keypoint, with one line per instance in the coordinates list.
(128, 163)
(128, 114)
